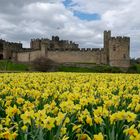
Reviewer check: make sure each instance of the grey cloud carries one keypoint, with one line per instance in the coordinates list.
(22, 20)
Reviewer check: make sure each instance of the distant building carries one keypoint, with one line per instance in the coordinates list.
(116, 51)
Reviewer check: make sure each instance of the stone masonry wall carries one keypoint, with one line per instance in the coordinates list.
(119, 51)
(75, 56)
(28, 56)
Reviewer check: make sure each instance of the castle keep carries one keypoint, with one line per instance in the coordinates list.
(115, 52)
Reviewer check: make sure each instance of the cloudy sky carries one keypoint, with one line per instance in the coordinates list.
(82, 21)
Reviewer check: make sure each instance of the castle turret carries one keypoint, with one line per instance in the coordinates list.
(55, 38)
(107, 36)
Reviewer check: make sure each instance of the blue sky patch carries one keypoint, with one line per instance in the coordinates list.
(67, 3)
(87, 16)
(81, 15)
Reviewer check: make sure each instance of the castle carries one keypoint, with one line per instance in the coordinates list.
(115, 52)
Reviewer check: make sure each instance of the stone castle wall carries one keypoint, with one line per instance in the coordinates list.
(116, 51)
(29, 56)
(75, 56)
(95, 56)
(64, 51)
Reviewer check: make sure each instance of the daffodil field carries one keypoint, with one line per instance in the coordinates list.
(69, 106)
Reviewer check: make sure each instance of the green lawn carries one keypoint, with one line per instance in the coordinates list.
(6, 65)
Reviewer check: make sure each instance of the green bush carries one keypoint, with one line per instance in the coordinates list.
(135, 68)
(43, 64)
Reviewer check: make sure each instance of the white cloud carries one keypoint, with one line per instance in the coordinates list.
(22, 20)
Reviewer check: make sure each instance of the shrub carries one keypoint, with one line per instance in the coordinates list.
(43, 64)
(135, 68)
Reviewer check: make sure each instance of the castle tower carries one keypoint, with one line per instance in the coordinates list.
(107, 36)
(35, 44)
(119, 51)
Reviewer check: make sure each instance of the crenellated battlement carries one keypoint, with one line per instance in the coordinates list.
(14, 44)
(54, 44)
(120, 39)
(10, 45)
(107, 31)
(90, 49)
(35, 39)
(38, 39)
(78, 49)
(7, 42)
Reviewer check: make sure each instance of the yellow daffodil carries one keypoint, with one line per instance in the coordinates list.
(99, 137)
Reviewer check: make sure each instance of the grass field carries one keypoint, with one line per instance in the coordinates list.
(6, 65)
(94, 69)
(69, 106)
